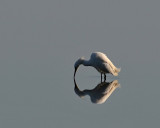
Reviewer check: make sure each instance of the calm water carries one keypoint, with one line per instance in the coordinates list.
(39, 44)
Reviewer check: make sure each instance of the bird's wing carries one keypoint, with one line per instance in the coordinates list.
(100, 57)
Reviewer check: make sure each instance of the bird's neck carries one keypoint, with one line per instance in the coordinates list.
(86, 63)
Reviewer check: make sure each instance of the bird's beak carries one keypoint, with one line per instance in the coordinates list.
(75, 71)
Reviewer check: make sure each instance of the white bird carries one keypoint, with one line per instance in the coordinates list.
(100, 62)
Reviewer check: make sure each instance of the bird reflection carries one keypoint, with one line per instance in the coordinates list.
(100, 93)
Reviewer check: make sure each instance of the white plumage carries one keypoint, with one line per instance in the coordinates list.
(100, 62)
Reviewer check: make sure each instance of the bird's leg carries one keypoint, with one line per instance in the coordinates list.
(101, 77)
(104, 77)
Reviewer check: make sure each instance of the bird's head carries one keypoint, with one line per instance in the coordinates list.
(77, 64)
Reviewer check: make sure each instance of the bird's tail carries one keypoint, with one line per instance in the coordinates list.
(113, 70)
(118, 70)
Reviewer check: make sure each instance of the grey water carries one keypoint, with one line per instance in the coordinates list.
(39, 44)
